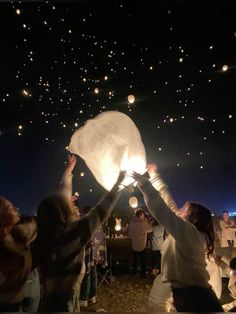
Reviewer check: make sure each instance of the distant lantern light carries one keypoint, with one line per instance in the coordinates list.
(181, 60)
(24, 92)
(105, 78)
(20, 127)
(225, 68)
(133, 202)
(118, 224)
(230, 116)
(131, 99)
(76, 124)
(171, 120)
(96, 90)
(18, 11)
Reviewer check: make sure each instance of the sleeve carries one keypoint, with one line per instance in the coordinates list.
(26, 232)
(66, 184)
(177, 227)
(160, 185)
(221, 225)
(229, 306)
(149, 228)
(88, 225)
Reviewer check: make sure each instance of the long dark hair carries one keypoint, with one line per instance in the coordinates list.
(201, 217)
(53, 214)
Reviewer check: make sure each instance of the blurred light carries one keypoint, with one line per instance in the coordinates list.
(225, 68)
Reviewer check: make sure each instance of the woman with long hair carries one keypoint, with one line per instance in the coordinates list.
(62, 238)
(191, 237)
(16, 234)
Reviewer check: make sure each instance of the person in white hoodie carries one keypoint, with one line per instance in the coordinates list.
(160, 298)
(191, 233)
(231, 307)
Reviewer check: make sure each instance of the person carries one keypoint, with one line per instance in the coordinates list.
(183, 255)
(231, 307)
(138, 230)
(62, 238)
(16, 236)
(160, 298)
(157, 241)
(228, 241)
(111, 224)
(95, 256)
(30, 302)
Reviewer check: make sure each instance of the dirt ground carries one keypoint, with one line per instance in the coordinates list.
(129, 293)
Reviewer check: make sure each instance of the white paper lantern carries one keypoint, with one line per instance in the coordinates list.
(108, 144)
(131, 99)
(118, 224)
(133, 202)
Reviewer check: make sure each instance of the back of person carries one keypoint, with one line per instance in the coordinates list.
(158, 237)
(183, 264)
(14, 269)
(138, 230)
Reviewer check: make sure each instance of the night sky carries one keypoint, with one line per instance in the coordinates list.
(63, 63)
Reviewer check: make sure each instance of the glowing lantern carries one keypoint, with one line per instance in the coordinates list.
(96, 90)
(108, 144)
(133, 202)
(118, 224)
(225, 68)
(131, 99)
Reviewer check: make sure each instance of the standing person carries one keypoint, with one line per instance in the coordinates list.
(227, 234)
(138, 230)
(184, 250)
(231, 307)
(30, 302)
(62, 238)
(95, 255)
(15, 255)
(156, 246)
(111, 225)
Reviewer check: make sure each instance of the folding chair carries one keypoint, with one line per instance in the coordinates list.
(106, 275)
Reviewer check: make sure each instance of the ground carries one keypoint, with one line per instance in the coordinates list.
(129, 293)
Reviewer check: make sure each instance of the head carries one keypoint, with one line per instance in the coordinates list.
(140, 214)
(225, 215)
(201, 218)
(54, 213)
(9, 215)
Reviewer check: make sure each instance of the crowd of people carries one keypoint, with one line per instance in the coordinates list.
(49, 262)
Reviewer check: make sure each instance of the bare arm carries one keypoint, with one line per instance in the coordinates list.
(66, 183)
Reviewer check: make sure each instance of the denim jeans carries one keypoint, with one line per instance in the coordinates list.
(89, 285)
(139, 257)
(30, 303)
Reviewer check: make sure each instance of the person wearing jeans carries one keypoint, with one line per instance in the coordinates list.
(138, 230)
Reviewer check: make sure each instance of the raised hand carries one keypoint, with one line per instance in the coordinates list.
(71, 163)
(139, 178)
(152, 169)
(121, 177)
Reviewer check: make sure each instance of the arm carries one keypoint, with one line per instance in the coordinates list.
(160, 185)
(25, 231)
(88, 225)
(66, 182)
(177, 227)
